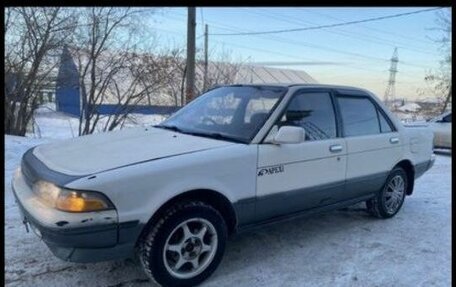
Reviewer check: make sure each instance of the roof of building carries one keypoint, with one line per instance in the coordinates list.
(260, 74)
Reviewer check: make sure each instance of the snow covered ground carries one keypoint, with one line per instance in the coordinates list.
(55, 125)
(340, 248)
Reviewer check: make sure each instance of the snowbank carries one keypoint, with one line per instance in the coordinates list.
(50, 124)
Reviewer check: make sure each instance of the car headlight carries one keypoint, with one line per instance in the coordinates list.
(71, 200)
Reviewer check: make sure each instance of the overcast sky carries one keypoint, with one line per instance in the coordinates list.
(355, 55)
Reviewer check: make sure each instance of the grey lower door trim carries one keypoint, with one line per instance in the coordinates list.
(253, 210)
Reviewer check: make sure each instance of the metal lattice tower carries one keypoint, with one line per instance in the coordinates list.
(390, 93)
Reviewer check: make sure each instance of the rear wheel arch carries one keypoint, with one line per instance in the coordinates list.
(389, 200)
(407, 166)
(213, 198)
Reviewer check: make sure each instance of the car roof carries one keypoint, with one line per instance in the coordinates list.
(289, 85)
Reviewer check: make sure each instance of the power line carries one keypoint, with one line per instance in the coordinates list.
(297, 43)
(319, 47)
(350, 66)
(344, 33)
(301, 43)
(282, 40)
(296, 63)
(389, 33)
(328, 25)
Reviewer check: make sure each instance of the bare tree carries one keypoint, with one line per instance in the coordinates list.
(106, 51)
(222, 70)
(114, 66)
(33, 36)
(439, 81)
(173, 67)
(144, 81)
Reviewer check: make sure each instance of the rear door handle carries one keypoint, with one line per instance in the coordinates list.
(394, 140)
(335, 148)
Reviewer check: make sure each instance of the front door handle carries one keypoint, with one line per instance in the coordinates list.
(335, 148)
(394, 140)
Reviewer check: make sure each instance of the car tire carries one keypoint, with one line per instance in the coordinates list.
(185, 246)
(389, 200)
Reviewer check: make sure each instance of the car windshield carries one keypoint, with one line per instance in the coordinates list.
(233, 113)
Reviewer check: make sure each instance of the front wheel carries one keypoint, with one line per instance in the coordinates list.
(185, 246)
(390, 199)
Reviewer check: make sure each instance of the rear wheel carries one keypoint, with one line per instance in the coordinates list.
(185, 246)
(389, 200)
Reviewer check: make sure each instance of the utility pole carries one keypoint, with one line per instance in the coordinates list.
(390, 93)
(206, 35)
(191, 24)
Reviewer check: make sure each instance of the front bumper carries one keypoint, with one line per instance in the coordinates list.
(76, 237)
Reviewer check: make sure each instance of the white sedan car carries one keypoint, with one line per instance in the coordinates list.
(441, 126)
(234, 158)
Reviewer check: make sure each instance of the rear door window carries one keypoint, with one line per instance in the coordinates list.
(359, 116)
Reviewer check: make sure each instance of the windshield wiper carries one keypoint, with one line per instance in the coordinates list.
(170, 127)
(216, 135)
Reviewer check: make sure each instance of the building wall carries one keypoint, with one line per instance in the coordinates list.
(110, 109)
(67, 99)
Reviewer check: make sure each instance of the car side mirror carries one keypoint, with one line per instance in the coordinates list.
(289, 135)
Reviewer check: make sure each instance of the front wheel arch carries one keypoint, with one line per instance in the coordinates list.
(213, 198)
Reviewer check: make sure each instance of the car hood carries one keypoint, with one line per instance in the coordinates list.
(99, 152)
